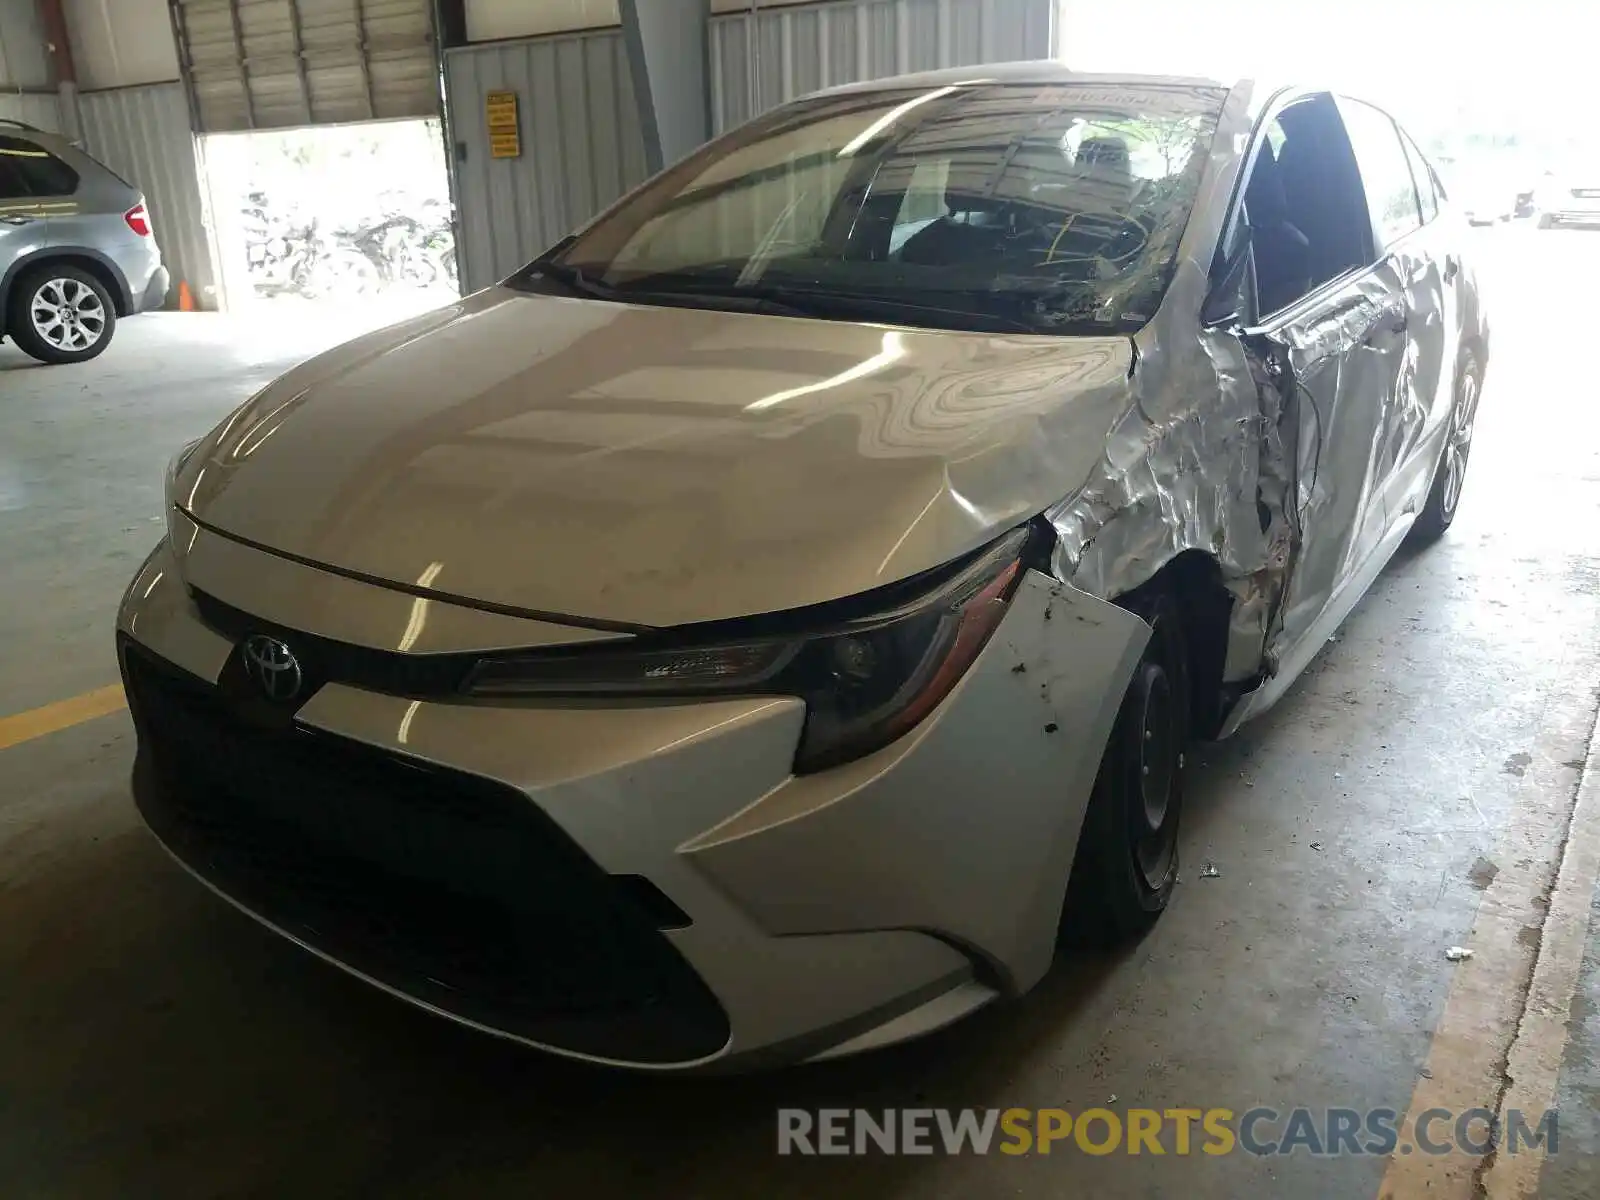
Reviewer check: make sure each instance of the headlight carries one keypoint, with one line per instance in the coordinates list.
(169, 487)
(175, 465)
(865, 680)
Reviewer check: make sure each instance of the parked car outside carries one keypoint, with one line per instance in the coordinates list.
(766, 625)
(76, 248)
(1483, 198)
(1568, 197)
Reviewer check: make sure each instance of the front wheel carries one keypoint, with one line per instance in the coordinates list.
(61, 314)
(1127, 858)
(1450, 476)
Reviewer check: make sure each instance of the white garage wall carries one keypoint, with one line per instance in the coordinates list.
(142, 133)
(22, 47)
(40, 111)
(581, 145)
(118, 43)
(491, 19)
(798, 50)
(488, 20)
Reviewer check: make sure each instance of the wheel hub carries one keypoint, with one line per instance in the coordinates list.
(68, 314)
(1158, 764)
(1459, 443)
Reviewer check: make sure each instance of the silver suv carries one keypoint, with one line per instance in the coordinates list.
(76, 251)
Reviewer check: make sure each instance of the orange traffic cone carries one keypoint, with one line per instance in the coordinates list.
(185, 297)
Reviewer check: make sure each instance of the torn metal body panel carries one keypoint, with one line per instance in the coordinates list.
(1340, 365)
(1294, 451)
(1197, 461)
(1040, 701)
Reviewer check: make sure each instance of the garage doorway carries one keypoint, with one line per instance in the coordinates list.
(320, 133)
(346, 222)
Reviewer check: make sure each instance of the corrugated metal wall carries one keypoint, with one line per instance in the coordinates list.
(142, 133)
(271, 64)
(798, 50)
(33, 108)
(581, 145)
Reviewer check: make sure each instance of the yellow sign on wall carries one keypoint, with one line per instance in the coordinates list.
(504, 139)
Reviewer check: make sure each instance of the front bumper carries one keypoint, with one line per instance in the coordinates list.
(643, 885)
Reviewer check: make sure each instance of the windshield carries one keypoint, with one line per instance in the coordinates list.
(1042, 208)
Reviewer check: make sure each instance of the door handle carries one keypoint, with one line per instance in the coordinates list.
(16, 219)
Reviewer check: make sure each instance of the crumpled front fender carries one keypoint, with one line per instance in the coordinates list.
(965, 828)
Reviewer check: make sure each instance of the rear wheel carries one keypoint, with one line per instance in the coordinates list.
(1127, 858)
(61, 314)
(1451, 474)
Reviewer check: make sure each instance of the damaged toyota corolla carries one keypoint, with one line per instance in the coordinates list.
(761, 627)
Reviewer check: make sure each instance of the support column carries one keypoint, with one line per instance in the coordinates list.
(59, 45)
(667, 44)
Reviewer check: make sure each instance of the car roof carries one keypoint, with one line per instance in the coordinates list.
(32, 133)
(1039, 71)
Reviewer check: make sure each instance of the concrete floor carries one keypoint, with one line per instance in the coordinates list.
(1412, 791)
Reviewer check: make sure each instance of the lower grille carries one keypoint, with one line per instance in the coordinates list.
(454, 890)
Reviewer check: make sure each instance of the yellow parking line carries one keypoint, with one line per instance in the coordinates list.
(1533, 1065)
(63, 714)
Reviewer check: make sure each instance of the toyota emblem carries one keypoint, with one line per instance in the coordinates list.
(273, 666)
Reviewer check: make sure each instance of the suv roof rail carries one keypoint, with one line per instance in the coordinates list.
(15, 124)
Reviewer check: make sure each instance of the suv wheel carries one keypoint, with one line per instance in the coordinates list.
(61, 314)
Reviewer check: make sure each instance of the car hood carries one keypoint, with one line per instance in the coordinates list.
(654, 466)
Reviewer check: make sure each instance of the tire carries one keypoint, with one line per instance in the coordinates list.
(61, 314)
(1127, 859)
(1449, 477)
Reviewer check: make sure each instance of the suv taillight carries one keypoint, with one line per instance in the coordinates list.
(138, 220)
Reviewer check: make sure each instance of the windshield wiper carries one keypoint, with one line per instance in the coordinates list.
(574, 278)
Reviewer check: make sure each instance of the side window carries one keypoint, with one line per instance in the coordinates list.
(11, 185)
(924, 200)
(1391, 192)
(1304, 205)
(1427, 197)
(35, 171)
